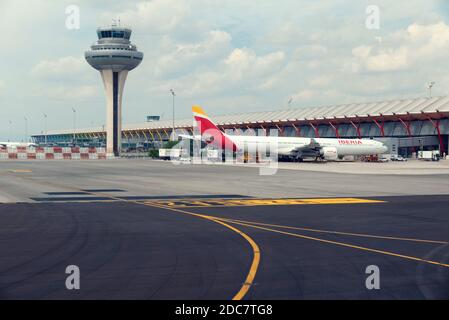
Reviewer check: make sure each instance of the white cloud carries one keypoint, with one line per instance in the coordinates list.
(417, 44)
(69, 93)
(304, 95)
(321, 80)
(242, 69)
(244, 62)
(76, 73)
(383, 60)
(187, 55)
(151, 17)
(316, 97)
(312, 52)
(19, 18)
(60, 68)
(430, 40)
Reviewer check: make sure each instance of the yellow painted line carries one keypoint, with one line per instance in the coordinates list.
(336, 232)
(259, 202)
(256, 250)
(21, 171)
(345, 245)
(254, 264)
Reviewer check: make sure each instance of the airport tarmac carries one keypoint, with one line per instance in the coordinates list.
(26, 181)
(411, 167)
(142, 229)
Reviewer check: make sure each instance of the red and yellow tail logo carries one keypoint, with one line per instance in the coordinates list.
(210, 133)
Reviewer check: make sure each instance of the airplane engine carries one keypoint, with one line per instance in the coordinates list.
(329, 153)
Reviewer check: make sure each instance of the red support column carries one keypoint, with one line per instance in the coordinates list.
(380, 126)
(317, 134)
(357, 128)
(297, 130)
(407, 127)
(281, 130)
(436, 125)
(237, 133)
(254, 131)
(335, 127)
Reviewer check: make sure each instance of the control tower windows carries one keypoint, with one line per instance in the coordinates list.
(114, 34)
(105, 34)
(118, 34)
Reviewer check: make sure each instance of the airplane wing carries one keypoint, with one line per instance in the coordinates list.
(312, 149)
(312, 146)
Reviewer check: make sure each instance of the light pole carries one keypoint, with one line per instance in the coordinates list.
(173, 132)
(103, 135)
(26, 129)
(430, 88)
(9, 133)
(74, 126)
(45, 128)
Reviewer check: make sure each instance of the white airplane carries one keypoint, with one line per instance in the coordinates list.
(16, 144)
(291, 147)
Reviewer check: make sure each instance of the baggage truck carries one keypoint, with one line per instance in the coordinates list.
(432, 155)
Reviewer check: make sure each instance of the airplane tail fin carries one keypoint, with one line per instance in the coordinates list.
(210, 133)
(203, 121)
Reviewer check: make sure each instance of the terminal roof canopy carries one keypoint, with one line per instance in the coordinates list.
(418, 106)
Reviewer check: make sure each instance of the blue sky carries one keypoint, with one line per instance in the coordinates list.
(229, 56)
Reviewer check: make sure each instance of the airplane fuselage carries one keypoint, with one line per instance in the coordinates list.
(16, 144)
(292, 146)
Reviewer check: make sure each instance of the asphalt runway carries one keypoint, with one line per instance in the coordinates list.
(146, 250)
(142, 229)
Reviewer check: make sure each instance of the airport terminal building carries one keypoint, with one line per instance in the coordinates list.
(406, 126)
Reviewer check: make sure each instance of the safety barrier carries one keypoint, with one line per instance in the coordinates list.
(52, 153)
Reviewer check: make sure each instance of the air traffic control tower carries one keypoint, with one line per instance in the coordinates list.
(114, 55)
